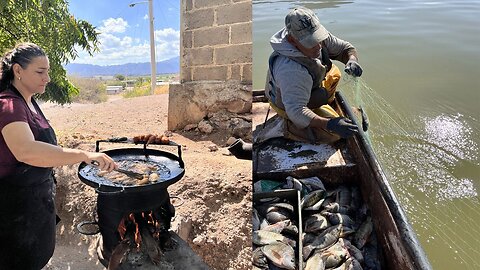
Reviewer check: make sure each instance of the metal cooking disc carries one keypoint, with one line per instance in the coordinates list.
(170, 169)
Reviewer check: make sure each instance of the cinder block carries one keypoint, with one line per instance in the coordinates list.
(188, 5)
(200, 56)
(185, 74)
(235, 72)
(199, 18)
(216, 73)
(233, 54)
(241, 33)
(210, 3)
(247, 73)
(187, 39)
(238, 12)
(210, 36)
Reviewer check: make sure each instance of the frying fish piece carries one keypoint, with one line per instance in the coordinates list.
(153, 177)
(315, 262)
(280, 254)
(262, 238)
(316, 223)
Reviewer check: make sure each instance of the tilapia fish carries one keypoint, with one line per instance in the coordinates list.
(312, 183)
(313, 198)
(349, 264)
(326, 239)
(262, 238)
(315, 262)
(337, 218)
(363, 233)
(285, 226)
(281, 255)
(335, 255)
(354, 251)
(259, 259)
(316, 223)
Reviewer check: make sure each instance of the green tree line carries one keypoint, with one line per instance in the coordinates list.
(49, 24)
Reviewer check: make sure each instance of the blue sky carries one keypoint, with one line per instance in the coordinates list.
(125, 36)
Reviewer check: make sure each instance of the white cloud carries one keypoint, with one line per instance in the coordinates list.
(111, 25)
(145, 17)
(167, 34)
(115, 49)
(167, 43)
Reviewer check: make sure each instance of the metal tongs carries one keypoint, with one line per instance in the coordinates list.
(128, 173)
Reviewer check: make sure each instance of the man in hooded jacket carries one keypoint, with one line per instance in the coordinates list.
(302, 79)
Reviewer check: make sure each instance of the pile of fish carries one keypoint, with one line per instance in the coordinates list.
(337, 230)
(275, 234)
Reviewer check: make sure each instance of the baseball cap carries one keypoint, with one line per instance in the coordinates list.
(305, 27)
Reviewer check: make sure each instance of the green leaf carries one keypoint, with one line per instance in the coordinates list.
(49, 24)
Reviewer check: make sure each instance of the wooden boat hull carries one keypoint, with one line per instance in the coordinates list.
(350, 161)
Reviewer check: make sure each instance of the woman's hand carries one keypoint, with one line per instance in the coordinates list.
(103, 161)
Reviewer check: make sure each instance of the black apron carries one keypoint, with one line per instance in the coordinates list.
(27, 211)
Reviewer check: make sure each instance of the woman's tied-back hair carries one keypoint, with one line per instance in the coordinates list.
(22, 54)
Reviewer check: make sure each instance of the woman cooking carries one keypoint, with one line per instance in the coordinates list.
(28, 151)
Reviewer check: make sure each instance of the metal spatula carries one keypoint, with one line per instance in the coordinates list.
(130, 173)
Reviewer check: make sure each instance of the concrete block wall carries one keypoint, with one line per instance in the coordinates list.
(215, 61)
(216, 40)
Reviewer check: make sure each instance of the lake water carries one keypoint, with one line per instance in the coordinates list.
(421, 91)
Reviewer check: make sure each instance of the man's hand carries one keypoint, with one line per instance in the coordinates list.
(342, 126)
(353, 68)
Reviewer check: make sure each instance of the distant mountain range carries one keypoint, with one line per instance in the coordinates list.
(131, 69)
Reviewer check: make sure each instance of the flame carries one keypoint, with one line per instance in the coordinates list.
(138, 237)
(122, 229)
(148, 218)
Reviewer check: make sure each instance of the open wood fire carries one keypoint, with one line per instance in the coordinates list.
(143, 237)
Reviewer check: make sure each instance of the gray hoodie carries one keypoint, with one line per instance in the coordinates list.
(293, 79)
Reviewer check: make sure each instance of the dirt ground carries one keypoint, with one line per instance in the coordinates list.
(216, 188)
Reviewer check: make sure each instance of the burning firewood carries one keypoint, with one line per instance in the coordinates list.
(119, 255)
(151, 246)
